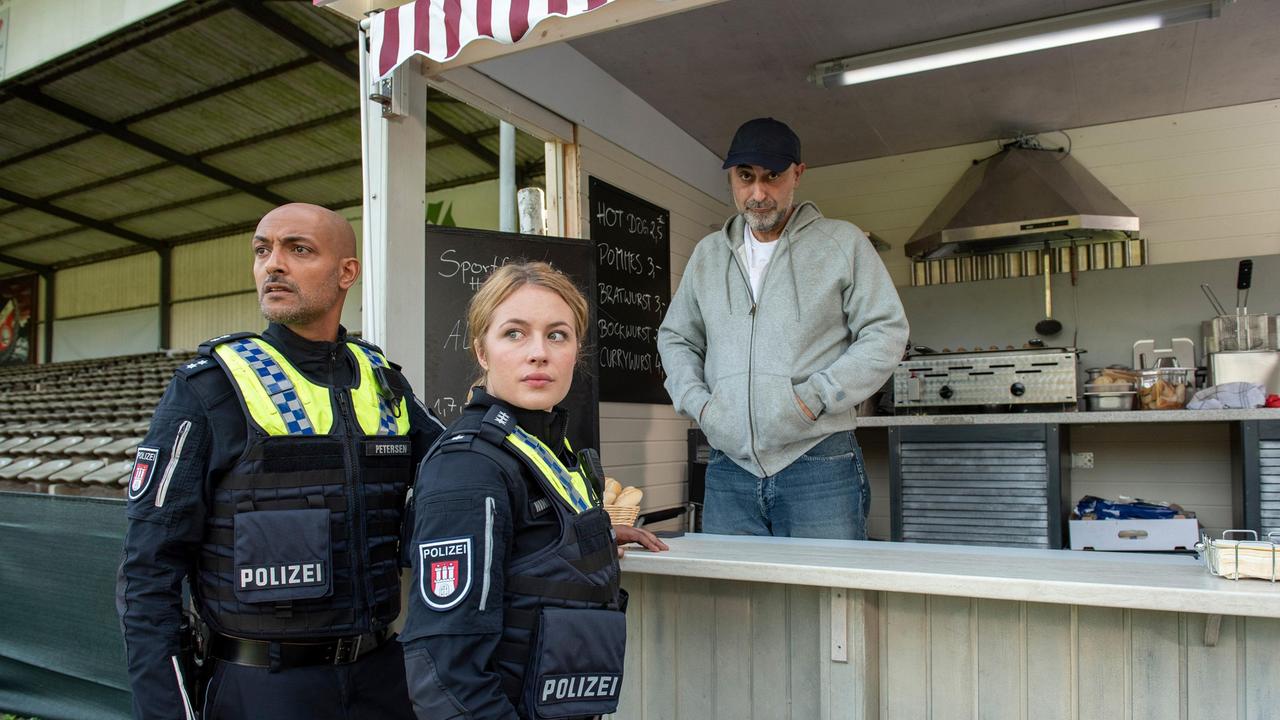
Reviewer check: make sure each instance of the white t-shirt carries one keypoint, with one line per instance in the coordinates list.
(757, 257)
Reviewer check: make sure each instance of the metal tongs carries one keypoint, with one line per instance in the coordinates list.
(1213, 299)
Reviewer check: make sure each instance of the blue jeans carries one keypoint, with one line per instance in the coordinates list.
(823, 494)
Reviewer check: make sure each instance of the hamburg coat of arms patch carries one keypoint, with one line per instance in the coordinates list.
(144, 466)
(444, 572)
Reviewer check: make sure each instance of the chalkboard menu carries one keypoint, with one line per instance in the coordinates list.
(459, 260)
(633, 290)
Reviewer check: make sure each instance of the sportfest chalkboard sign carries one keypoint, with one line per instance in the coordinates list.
(633, 289)
(458, 262)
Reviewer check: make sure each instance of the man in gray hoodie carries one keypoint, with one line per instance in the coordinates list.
(783, 323)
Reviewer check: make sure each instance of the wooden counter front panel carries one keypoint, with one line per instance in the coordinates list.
(703, 649)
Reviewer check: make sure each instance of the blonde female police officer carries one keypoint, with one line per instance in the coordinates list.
(516, 610)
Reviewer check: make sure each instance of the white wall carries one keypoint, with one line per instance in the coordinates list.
(41, 30)
(119, 333)
(1205, 184)
(646, 445)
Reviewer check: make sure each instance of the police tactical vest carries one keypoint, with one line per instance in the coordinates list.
(564, 632)
(301, 534)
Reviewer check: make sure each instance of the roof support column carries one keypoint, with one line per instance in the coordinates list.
(395, 173)
(166, 296)
(507, 177)
(49, 312)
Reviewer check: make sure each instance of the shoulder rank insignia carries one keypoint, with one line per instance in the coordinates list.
(364, 343)
(499, 416)
(195, 365)
(206, 347)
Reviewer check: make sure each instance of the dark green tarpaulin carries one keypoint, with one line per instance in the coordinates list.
(61, 655)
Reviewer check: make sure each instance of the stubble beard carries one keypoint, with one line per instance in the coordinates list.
(308, 308)
(771, 222)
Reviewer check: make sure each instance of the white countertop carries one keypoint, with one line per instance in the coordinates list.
(1125, 580)
(1073, 418)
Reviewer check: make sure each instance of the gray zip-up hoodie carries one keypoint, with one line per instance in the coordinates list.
(828, 328)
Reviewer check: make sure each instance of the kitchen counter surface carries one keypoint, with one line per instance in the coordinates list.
(1073, 418)
(1124, 580)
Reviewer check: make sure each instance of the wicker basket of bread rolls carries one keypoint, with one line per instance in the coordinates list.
(622, 504)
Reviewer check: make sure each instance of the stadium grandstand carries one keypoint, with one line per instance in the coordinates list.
(135, 161)
(72, 428)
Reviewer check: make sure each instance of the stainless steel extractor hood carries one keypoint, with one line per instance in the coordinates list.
(1021, 196)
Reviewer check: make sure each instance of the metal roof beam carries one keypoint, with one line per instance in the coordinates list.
(177, 104)
(235, 144)
(303, 40)
(123, 134)
(254, 139)
(186, 202)
(25, 264)
(487, 132)
(281, 26)
(75, 217)
(526, 170)
(331, 118)
(237, 228)
(462, 139)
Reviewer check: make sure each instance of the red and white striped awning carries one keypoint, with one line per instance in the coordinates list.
(439, 29)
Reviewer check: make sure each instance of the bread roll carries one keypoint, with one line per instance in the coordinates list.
(630, 497)
(612, 486)
(610, 497)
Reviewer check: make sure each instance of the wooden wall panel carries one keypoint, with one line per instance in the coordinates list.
(644, 445)
(1212, 672)
(1000, 651)
(1261, 668)
(1050, 664)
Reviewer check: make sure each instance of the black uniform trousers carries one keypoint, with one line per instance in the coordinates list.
(371, 688)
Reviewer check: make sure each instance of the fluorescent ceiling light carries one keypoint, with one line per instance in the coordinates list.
(1107, 22)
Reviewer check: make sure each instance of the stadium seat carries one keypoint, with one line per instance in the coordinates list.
(78, 471)
(17, 467)
(90, 444)
(124, 447)
(116, 473)
(60, 445)
(30, 445)
(45, 469)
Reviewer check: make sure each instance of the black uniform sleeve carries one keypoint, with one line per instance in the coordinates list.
(459, 548)
(166, 516)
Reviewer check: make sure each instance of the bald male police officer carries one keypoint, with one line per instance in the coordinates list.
(273, 481)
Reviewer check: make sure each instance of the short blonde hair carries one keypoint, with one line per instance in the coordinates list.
(509, 278)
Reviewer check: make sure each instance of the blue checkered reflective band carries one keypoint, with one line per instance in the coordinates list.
(277, 385)
(386, 411)
(578, 502)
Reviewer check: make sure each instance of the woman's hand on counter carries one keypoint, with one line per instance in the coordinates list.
(627, 534)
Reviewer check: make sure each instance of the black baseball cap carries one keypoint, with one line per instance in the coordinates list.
(765, 142)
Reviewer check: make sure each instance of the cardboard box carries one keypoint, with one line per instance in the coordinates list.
(1175, 534)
